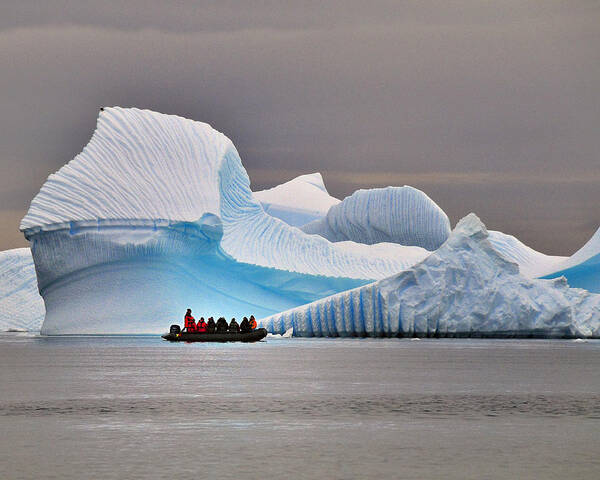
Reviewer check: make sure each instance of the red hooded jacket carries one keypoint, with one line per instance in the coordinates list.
(202, 326)
(190, 323)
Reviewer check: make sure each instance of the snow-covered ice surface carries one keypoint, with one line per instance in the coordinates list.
(582, 269)
(465, 288)
(402, 215)
(156, 215)
(531, 262)
(21, 307)
(299, 201)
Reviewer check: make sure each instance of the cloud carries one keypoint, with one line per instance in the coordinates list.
(189, 16)
(465, 95)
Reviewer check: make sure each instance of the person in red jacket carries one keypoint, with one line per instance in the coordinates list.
(202, 326)
(190, 322)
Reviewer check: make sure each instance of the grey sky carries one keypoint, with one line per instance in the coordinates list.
(491, 107)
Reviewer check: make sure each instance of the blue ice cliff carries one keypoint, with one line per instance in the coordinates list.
(155, 215)
(465, 288)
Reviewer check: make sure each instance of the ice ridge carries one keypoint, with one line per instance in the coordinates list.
(403, 215)
(531, 262)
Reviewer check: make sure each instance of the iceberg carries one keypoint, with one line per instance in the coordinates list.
(402, 215)
(156, 215)
(465, 288)
(299, 201)
(21, 307)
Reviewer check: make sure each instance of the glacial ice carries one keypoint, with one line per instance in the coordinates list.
(402, 215)
(465, 288)
(21, 306)
(582, 269)
(299, 201)
(156, 215)
(292, 200)
(531, 263)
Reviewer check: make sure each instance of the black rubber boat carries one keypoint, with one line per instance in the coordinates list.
(253, 336)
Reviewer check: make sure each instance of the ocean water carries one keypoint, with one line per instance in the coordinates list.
(139, 407)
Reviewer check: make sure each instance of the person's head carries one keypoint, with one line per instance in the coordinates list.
(201, 319)
(189, 310)
(252, 317)
(233, 319)
(245, 319)
(211, 319)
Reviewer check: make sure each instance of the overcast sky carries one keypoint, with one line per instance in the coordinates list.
(490, 107)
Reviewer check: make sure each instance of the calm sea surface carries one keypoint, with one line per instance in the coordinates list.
(138, 407)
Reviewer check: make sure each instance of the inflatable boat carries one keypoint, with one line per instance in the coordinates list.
(253, 336)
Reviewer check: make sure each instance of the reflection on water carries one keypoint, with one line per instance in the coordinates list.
(138, 407)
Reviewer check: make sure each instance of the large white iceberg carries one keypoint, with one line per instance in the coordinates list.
(21, 307)
(465, 288)
(402, 215)
(156, 215)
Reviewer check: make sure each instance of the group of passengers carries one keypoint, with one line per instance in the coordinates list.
(220, 326)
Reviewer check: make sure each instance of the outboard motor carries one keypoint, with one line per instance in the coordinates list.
(175, 329)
